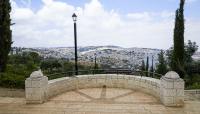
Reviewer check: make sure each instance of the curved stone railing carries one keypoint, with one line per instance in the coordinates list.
(146, 84)
(170, 89)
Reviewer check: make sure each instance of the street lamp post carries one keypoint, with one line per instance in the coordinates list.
(74, 17)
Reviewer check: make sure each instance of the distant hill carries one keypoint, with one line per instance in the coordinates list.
(114, 56)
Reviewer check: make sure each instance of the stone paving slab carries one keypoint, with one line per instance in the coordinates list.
(97, 101)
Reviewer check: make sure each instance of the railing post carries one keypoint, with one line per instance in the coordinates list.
(36, 88)
(172, 89)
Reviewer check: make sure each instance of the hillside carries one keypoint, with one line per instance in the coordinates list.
(114, 56)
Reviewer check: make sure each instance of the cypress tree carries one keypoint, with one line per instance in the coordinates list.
(178, 53)
(95, 63)
(142, 68)
(162, 65)
(147, 65)
(5, 33)
(152, 68)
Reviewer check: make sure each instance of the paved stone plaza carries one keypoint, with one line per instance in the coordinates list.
(98, 101)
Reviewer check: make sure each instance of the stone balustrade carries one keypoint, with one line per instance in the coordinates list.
(148, 85)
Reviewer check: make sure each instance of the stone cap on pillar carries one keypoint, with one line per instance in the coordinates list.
(36, 74)
(171, 75)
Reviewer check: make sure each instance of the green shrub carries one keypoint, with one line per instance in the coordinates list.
(18, 69)
(15, 75)
(11, 80)
(195, 85)
(192, 81)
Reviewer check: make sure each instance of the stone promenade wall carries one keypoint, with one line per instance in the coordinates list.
(193, 93)
(169, 89)
(145, 84)
(11, 92)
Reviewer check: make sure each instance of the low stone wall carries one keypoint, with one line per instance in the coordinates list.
(169, 89)
(8, 92)
(145, 84)
(193, 93)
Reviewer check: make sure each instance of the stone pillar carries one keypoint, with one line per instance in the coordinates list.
(172, 89)
(36, 88)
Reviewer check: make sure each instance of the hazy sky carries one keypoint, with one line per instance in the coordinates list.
(126, 23)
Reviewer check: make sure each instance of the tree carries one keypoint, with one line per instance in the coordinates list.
(152, 68)
(67, 66)
(190, 49)
(178, 53)
(51, 65)
(5, 33)
(143, 66)
(35, 56)
(95, 63)
(45, 65)
(162, 65)
(169, 54)
(56, 64)
(147, 66)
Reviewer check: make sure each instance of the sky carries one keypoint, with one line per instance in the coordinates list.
(125, 23)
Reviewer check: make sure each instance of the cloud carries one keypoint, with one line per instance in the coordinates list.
(52, 26)
(139, 16)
